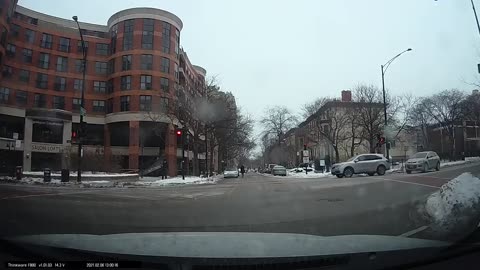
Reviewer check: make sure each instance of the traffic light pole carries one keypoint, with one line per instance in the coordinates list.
(82, 104)
(183, 153)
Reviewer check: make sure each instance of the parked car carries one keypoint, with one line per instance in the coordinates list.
(231, 173)
(423, 161)
(300, 169)
(270, 167)
(279, 170)
(365, 163)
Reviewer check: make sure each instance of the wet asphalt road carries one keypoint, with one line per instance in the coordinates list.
(328, 206)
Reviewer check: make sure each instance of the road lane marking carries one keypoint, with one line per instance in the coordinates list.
(413, 183)
(412, 232)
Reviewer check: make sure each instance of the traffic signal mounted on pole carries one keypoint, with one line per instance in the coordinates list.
(179, 133)
(304, 147)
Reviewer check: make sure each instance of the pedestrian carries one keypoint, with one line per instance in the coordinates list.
(164, 169)
(242, 170)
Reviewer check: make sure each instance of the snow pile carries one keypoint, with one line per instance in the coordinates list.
(459, 162)
(158, 181)
(309, 175)
(455, 208)
(85, 174)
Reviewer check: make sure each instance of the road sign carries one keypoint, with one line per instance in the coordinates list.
(305, 153)
(306, 160)
(18, 143)
(15, 135)
(322, 162)
(83, 112)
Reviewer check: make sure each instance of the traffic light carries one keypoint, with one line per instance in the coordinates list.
(74, 136)
(304, 147)
(382, 140)
(82, 130)
(179, 133)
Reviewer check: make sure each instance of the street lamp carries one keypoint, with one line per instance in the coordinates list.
(82, 104)
(384, 69)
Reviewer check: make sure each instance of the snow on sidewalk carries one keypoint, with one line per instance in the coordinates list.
(459, 162)
(157, 181)
(455, 208)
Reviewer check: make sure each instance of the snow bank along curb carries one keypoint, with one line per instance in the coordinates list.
(89, 176)
(454, 209)
(459, 162)
(144, 182)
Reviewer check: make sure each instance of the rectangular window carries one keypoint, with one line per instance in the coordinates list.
(76, 104)
(146, 62)
(21, 97)
(128, 26)
(33, 21)
(163, 104)
(128, 34)
(62, 64)
(146, 82)
(14, 30)
(125, 83)
(111, 66)
(11, 50)
(44, 60)
(177, 38)
(101, 49)
(27, 56)
(145, 103)
(7, 71)
(42, 81)
(109, 108)
(166, 37)
(100, 87)
(110, 86)
(64, 44)
(77, 84)
(29, 36)
(58, 102)
(47, 41)
(164, 84)
(78, 65)
(40, 101)
(126, 62)
(124, 103)
(4, 94)
(24, 75)
(101, 68)
(165, 65)
(99, 106)
(147, 33)
(3, 36)
(79, 47)
(60, 84)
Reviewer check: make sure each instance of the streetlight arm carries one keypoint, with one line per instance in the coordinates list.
(385, 67)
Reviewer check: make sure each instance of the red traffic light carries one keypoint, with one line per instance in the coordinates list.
(382, 140)
(74, 134)
(179, 133)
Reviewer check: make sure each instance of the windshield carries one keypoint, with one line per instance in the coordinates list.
(420, 155)
(352, 158)
(172, 116)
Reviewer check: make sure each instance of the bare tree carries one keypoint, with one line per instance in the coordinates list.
(370, 112)
(277, 121)
(445, 108)
(312, 107)
(331, 125)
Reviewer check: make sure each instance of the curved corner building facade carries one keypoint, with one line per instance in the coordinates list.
(137, 78)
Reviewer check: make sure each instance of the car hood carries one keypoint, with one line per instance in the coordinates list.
(415, 160)
(226, 244)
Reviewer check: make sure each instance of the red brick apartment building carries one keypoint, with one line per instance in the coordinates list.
(135, 68)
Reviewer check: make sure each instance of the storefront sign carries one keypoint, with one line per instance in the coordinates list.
(46, 148)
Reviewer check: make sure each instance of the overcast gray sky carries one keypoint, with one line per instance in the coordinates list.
(274, 52)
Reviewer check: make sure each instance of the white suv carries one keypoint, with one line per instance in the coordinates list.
(366, 163)
(423, 161)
